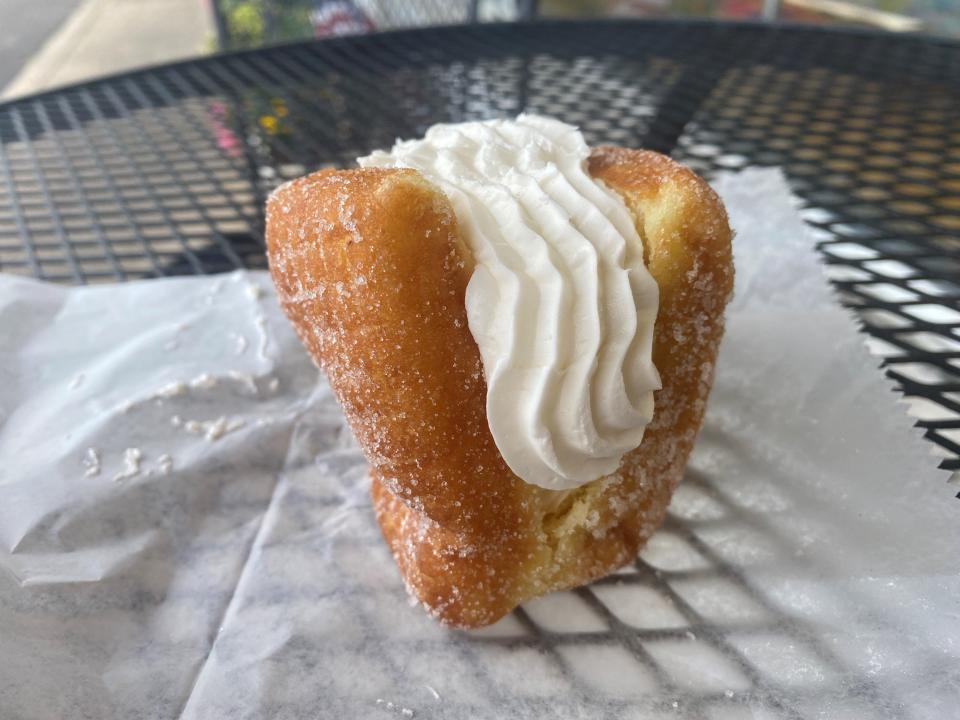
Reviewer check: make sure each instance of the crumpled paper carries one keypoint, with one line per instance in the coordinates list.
(185, 530)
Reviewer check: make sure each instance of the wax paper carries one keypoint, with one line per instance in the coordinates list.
(185, 530)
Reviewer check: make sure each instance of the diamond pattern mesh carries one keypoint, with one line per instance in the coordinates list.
(164, 172)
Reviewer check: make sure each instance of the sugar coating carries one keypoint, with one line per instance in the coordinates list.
(171, 390)
(204, 381)
(131, 464)
(91, 462)
(214, 429)
(164, 464)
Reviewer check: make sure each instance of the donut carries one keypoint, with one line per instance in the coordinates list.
(372, 268)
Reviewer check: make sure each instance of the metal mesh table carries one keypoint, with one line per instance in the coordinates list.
(164, 172)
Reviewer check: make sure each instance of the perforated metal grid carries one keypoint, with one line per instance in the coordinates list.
(164, 172)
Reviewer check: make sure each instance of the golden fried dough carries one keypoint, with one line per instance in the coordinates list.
(371, 269)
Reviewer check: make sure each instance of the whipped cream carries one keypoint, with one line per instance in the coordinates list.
(560, 302)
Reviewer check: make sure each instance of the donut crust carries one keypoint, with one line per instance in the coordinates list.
(371, 269)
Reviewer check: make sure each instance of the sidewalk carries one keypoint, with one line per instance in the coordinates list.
(107, 36)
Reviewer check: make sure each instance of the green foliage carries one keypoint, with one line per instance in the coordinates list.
(245, 24)
(251, 23)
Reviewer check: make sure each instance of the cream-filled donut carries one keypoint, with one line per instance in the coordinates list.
(521, 332)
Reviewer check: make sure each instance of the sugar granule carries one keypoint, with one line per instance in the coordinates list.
(131, 464)
(91, 462)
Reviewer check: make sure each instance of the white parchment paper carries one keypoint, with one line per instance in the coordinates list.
(185, 531)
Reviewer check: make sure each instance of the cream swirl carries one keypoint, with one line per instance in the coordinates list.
(560, 302)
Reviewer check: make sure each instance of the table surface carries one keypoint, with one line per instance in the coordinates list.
(165, 171)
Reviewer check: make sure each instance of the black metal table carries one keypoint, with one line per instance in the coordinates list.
(164, 171)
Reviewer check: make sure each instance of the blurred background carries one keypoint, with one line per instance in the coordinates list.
(49, 43)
